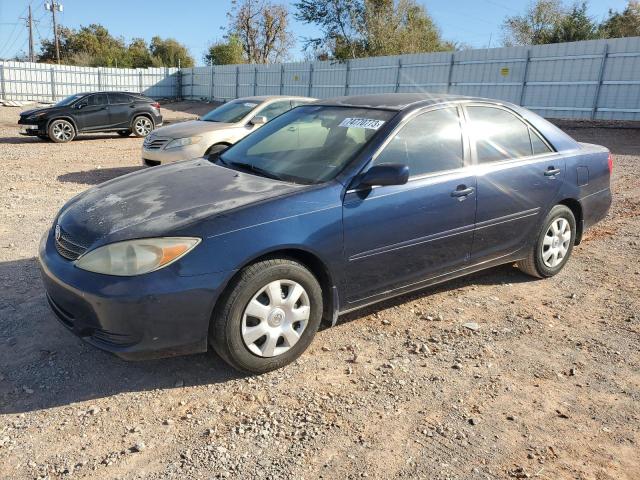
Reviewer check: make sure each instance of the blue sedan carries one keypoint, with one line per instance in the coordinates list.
(329, 207)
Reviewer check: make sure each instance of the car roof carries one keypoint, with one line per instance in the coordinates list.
(264, 98)
(399, 101)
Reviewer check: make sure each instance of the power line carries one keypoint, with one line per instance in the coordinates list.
(7, 46)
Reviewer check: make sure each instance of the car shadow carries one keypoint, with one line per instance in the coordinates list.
(97, 175)
(45, 366)
(80, 138)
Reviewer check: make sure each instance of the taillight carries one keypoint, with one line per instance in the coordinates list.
(610, 163)
(156, 105)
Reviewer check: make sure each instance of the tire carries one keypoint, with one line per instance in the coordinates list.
(551, 250)
(61, 131)
(124, 133)
(141, 126)
(253, 293)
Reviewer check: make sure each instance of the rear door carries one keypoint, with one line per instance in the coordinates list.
(120, 109)
(94, 113)
(401, 235)
(519, 176)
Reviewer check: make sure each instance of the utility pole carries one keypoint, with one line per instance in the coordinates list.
(53, 6)
(29, 22)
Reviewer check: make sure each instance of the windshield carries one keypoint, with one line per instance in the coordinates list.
(69, 100)
(230, 112)
(309, 144)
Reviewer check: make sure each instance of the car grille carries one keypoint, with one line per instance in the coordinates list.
(68, 247)
(151, 142)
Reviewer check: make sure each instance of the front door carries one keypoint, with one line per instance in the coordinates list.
(518, 177)
(398, 236)
(94, 113)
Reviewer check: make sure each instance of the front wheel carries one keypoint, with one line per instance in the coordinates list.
(61, 131)
(142, 126)
(268, 317)
(553, 246)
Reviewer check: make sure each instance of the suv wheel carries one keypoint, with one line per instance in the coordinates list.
(268, 317)
(61, 131)
(124, 133)
(142, 126)
(553, 246)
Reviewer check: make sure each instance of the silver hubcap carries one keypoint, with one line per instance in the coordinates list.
(62, 131)
(143, 126)
(275, 318)
(556, 242)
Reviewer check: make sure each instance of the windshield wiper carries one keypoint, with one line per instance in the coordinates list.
(252, 168)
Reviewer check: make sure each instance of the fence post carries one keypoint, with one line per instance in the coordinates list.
(346, 78)
(179, 84)
(237, 82)
(281, 79)
(450, 76)
(53, 84)
(3, 91)
(212, 87)
(255, 80)
(524, 76)
(99, 79)
(140, 82)
(398, 74)
(596, 95)
(310, 79)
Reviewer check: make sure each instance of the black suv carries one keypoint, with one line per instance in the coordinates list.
(121, 112)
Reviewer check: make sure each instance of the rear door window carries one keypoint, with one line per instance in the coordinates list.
(115, 98)
(538, 145)
(498, 134)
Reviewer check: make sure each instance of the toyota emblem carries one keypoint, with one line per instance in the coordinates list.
(57, 233)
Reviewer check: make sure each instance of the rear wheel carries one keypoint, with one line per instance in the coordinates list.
(553, 246)
(142, 126)
(268, 317)
(61, 131)
(124, 133)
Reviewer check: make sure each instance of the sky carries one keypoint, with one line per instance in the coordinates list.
(196, 23)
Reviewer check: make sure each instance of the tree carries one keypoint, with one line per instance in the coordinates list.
(262, 28)
(625, 24)
(574, 25)
(138, 54)
(341, 23)
(225, 52)
(170, 53)
(362, 28)
(536, 26)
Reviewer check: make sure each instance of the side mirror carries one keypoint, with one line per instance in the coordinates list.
(81, 105)
(258, 120)
(387, 174)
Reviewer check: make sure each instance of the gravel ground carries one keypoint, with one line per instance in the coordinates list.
(491, 376)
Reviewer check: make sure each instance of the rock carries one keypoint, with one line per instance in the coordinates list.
(325, 348)
(138, 447)
(168, 421)
(457, 366)
(93, 409)
(473, 421)
(511, 418)
(386, 322)
(471, 326)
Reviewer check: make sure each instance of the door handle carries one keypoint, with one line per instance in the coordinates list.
(551, 172)
(462, 191)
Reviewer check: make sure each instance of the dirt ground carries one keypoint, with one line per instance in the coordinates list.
(547, 386)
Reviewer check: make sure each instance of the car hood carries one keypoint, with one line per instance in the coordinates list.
(161, 200)
(191, 128)
(27, 113)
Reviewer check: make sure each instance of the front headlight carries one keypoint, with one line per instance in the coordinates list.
(135, 257)
(182, 142)
(36, 115)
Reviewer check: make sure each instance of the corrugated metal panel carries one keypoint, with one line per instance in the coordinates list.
(592, 79)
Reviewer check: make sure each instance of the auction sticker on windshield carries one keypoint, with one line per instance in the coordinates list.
(369, 123)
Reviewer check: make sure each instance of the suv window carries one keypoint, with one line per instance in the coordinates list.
(498, 134)
(119, 98)
(275, 109)
(429, 143)
(98, 99)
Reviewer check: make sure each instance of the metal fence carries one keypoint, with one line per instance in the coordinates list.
(597, 79)
(48, 83)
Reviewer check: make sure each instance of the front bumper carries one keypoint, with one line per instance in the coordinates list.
(31, 129)
(161, 156)
(148, 316)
